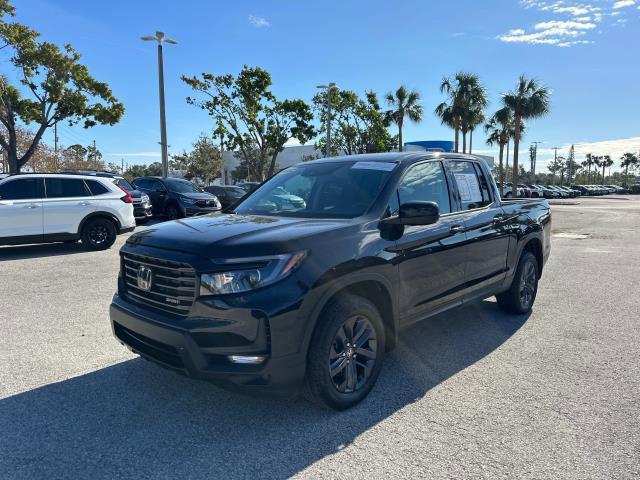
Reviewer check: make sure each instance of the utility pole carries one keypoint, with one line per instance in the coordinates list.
(160, 38)
(534, 159)
(55, 138)
(329, 89)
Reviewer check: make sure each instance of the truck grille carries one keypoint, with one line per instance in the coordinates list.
(173, 284)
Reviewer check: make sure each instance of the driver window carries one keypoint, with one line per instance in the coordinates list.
(425, 182)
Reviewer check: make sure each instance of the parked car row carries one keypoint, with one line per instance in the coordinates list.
(559, 191)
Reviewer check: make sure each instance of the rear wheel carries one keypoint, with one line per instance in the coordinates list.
(346, 353)
(99, 234)
(524, 287)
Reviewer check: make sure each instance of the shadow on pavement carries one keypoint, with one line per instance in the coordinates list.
(41, 250)
(134, 419)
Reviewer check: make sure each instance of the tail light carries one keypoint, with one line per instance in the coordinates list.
(127, 196)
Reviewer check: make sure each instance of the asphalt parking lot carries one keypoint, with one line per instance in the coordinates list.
(473, 393)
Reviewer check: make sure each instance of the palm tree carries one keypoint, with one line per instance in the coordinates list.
(467, 100)
(529, 100)
(499, 129)
(605, 162)
(403, 103)
(475, 118)
(588, 162)
(628, 160)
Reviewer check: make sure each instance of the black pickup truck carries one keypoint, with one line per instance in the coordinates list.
(313, 293)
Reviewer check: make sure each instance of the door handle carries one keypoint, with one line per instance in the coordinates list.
(32, 205)
(84, 204)
(456, 229)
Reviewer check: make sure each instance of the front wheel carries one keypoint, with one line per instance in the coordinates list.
(346, 353)
(173, 212)
(524, 287)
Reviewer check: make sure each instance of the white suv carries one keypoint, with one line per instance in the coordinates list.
(39, 208)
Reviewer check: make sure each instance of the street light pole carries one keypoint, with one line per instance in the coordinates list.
(160, 38)
(329, 88)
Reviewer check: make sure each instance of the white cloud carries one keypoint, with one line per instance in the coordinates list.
(258, 22)
(555, 32)
(573, 20)
(623, 4)
(613, 148)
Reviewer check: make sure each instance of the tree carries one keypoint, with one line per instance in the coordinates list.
(251, 115)
(204, 161)
(467, 99)
(628, 160)
(473, 118)
(357, 125)
(529, 100)
(403, 103)
(588, 163)
(58, 88)
(499, 130)
(604, 162)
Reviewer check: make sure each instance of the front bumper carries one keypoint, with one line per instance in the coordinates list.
(192, 210)
(199, 346)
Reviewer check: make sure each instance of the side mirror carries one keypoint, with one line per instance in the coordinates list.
(415, 213)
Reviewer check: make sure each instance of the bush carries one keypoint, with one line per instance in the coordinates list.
(635, 189)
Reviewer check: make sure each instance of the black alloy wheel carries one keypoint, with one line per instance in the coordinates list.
(346, 352)
(353, 354)
(99, 234)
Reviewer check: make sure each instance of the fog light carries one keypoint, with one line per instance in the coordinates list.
(247, 359)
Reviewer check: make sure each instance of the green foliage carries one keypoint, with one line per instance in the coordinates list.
(529, 100)
(54, 87)
(134, 171)
(204, 161)
(464, 109)
(403, 104)
(358, 125)
(245, 108)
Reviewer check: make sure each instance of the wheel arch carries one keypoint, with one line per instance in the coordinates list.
(373, 287)
(101, 214)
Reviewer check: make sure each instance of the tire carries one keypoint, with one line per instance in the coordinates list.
(173, 212)
(99, 234)
(524, 287)
(353, 378)
(507, 195)
(142, 221)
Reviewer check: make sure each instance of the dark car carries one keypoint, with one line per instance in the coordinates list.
(177, 198)
(248, 187)
(142, 209)
(227, 194)
(274, 297)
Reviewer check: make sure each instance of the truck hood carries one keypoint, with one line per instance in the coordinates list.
(220, 236)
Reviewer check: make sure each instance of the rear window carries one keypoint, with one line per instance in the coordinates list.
(472, 186)
(96, 187)
(65, 187)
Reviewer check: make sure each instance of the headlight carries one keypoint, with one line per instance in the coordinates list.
(144, 198)
(259, 272)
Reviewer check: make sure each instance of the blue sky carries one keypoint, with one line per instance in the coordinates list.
(587, 52)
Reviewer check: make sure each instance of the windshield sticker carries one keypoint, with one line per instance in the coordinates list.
(386, 166)
(468, 187)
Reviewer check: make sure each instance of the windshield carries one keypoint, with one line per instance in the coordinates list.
(320, 190)
(121, 182)
(182, 186)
